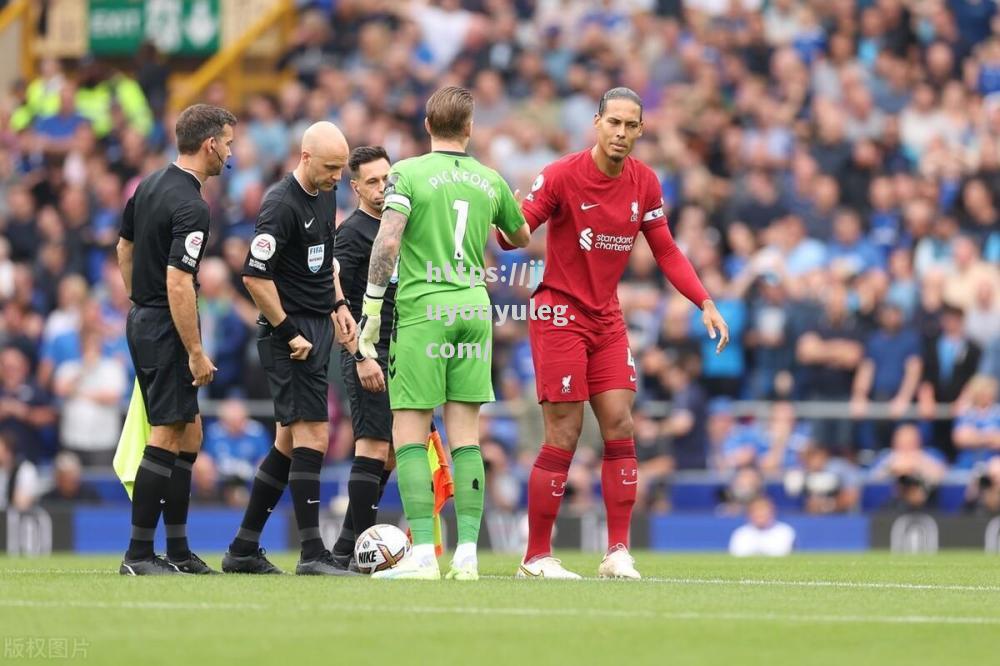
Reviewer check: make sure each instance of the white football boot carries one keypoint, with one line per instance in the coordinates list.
(416, 566)
(546, 567)
(618, 564)
(465, 564)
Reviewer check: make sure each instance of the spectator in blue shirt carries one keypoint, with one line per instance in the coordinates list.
(890, 371)
(849, 253)
(768, 338)
(916, 472)
(977, 428)
(56, 132)
(236, 443)
(722, 373)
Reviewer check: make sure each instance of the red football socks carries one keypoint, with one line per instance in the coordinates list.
(619, 476)
(546, 487)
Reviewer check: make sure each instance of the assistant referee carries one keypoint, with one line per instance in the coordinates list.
(163, 237)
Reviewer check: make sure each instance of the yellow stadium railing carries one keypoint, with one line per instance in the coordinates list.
(226, 64)
(23, 11)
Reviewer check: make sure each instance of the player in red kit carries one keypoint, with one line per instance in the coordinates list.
(596, 202)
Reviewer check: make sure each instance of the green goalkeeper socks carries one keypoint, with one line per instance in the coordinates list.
(414, 474)
(470, 483)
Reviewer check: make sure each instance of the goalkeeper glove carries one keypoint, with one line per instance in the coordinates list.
(369, 326)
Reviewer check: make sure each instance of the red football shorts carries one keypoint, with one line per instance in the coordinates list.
(577, 358)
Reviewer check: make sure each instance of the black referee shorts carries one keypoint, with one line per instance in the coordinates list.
(371, 415)
(298, 388)
(161, 366)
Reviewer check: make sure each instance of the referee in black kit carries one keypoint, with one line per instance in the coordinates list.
(289, 273)
(364, 378)
(163, 237)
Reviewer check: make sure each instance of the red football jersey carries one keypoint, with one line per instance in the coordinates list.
(593, 221)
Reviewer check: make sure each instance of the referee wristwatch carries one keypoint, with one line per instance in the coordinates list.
(359, 357)
(343, 301)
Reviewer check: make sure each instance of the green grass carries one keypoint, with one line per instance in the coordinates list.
(843, 610)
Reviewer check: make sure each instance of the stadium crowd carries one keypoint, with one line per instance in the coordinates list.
(831, 167)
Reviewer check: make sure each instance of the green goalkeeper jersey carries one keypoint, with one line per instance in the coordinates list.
(450, 200)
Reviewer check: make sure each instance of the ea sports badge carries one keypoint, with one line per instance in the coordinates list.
(193, 243)
(315, 257)
(263, 246)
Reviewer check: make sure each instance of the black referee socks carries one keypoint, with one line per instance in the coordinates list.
(364, 491)
(268, 485)
(303, 481)
(175, 511)
(149, 495)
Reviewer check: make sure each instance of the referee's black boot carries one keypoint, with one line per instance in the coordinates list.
(193, 565)
(346, 562)
(254, 563)
(150, 566)
(324, 565)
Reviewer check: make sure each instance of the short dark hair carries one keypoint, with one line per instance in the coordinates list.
(619, 93)
(199, 122)
(449, 111)
(365, 154)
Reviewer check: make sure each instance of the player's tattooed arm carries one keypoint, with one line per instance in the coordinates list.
(385, 250)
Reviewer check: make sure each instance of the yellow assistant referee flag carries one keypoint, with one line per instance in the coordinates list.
(132, 443)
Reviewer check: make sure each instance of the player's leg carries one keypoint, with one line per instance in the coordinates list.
(175, 511)
(171, 404)
(461, 422)
(409, 427)
(371, 419)
(309, 444)
(245, 554)
(416, 387)
(300, 390)
(364, 489)
(546, 487)
(468, 384)
(612, 381)
(149, 492)
(560, 358)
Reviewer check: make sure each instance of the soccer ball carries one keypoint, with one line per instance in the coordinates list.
(380, 547)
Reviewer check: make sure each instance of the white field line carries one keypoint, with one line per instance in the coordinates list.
(739, 582)
(129, 605)
(798, 618)
(803, 583)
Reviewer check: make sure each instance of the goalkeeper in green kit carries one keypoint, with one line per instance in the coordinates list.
(436, 219)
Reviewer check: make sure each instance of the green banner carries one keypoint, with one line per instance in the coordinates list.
(177, 27)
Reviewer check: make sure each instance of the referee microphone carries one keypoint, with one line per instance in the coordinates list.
(228, 165)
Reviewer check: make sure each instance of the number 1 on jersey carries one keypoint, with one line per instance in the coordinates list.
(462, 208)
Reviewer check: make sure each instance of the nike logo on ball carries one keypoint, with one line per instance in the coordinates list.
(584, 206)
(310, 222)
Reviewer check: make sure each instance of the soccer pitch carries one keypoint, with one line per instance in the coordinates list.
(691, 609)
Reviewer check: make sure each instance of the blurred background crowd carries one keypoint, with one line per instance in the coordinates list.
(831, 168)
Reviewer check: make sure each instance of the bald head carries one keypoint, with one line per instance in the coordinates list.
(323, 137)
(324, 155)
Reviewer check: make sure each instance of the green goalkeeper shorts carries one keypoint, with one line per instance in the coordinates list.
(432, 361)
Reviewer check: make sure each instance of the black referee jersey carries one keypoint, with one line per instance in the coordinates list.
(167, 222)
(293, 246)
(353, 250)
